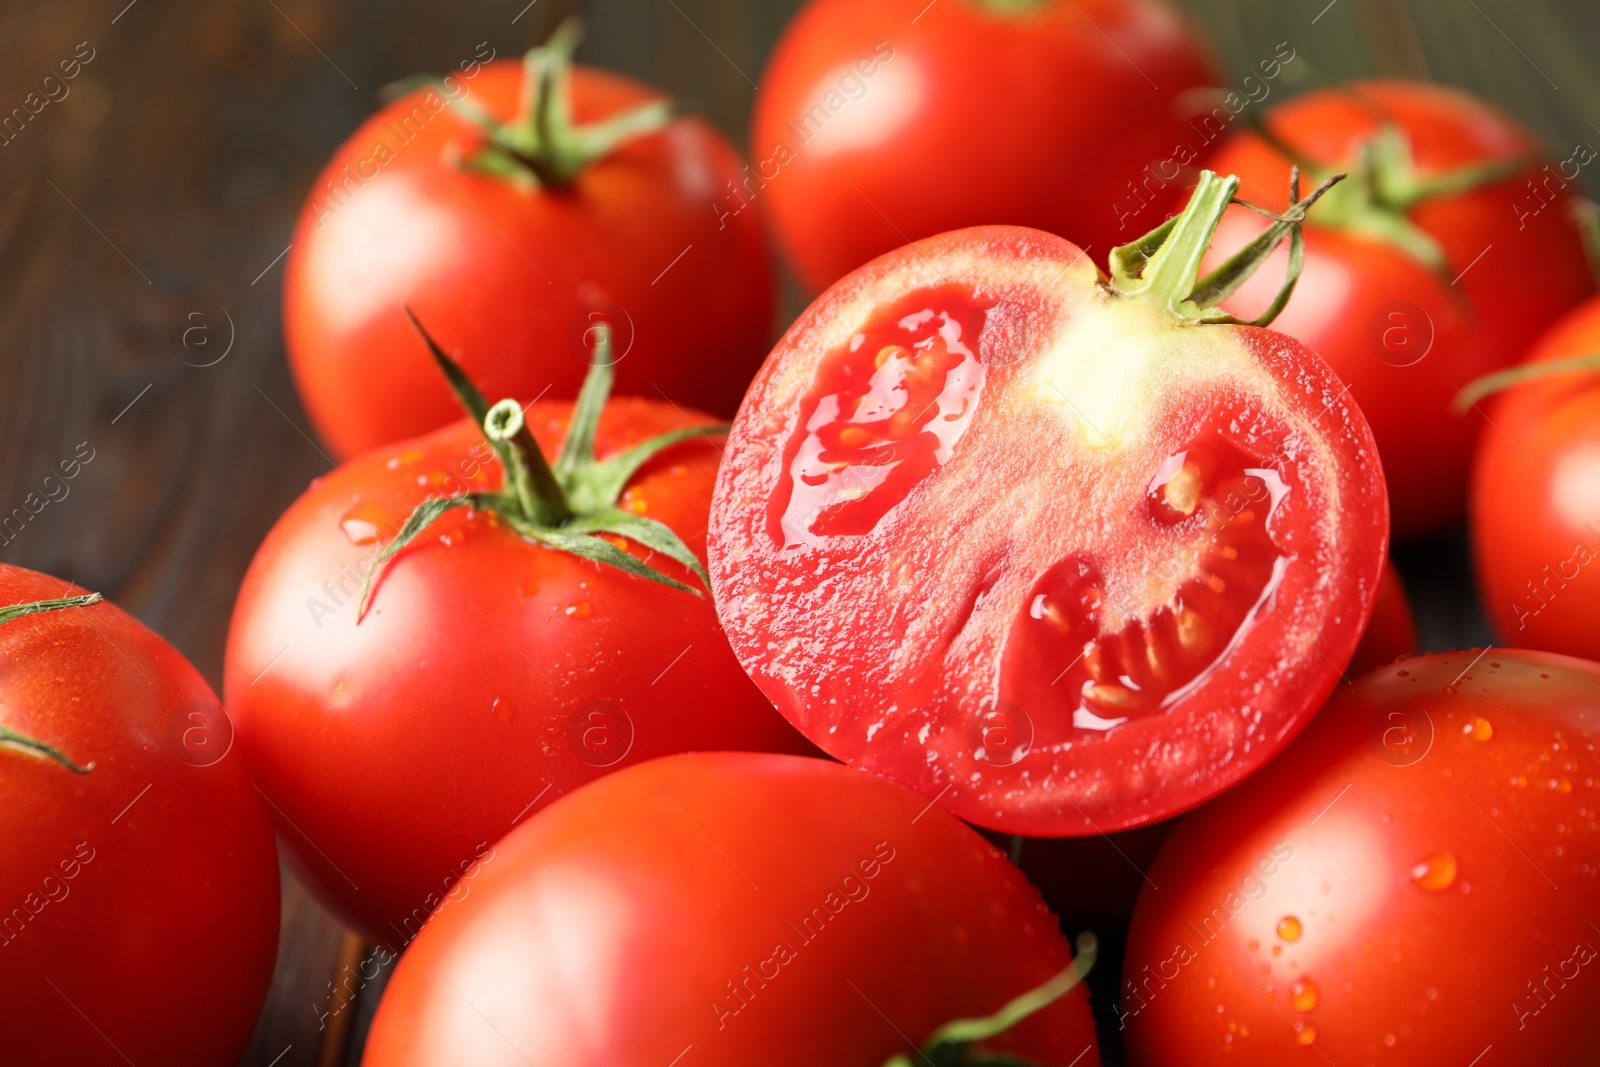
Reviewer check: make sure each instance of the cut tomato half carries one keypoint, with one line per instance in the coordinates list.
(1070, 554)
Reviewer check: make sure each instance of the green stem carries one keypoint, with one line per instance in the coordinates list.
(1521, 374)
(543, 502)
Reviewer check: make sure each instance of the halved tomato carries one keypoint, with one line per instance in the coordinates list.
(1067, 553)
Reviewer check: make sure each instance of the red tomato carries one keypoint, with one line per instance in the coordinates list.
(1403, 332)
(882, 121)
(731, 909)
(1387, 890)
(513, 277)
(139, 879)
(1391, 632)
(1535, 501)
(1047, 548)
(488, 675)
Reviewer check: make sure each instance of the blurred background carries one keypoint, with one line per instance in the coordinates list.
(144, 216)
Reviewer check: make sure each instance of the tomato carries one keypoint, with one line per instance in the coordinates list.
(750, 908)
(881, 121)
(1535, 500)
(511, 270)
(501, 660)
(1058, 551)
(1413, 288)
(1387, 890)
(139, 884)
(1391, 632)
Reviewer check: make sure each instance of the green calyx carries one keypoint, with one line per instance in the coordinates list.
(1521, 374)
(568, 505)
(952, 1044)
(1163, 266)
(543, 146)
(11, 737)
(1385, 186)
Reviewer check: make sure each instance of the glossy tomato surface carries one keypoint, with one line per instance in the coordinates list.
(1403, 335)
(1414, 882)
(735, 908)
(140, 898)
(1391, 632)
(1535, 502)
(1036, 549)
(883, 121)
(512, 279)
(489, 674)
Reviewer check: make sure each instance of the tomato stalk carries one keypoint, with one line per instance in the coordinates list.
(951, 1044)
(568, 505)
(1162, 266)
(542, 145)
(1512, 377)
(12, 737)
(1385, 185)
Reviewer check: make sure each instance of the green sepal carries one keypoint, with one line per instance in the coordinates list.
(467, 393)
(9, 736)
(951, 1044)
(1500, 380)
(420, 518)
(600, 550)
(607, 478)
(577, 449)
(651, 533)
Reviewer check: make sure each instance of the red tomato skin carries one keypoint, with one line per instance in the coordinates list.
(1390, 843)
(1144, 771)
(505, 277)
(397, 750)
(678, 878)
(1535, 501)
(1055, 137)
(1391, 632)
(141, 899)
(1507, 276)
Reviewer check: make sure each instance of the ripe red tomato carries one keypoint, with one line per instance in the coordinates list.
(731, 909)
(1053, 550)
(1414, 881)
(882, 121)
(139, 884)
(1391, 632)
(1410, 298)
(513, 277)
(490, 673)
(1535, 500)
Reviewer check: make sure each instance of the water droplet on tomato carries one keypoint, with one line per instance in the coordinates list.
(503, 710)
(1289, 928)
(1437, 873)
(1303, 994)
(364, 522)
(1304, 1032)
(1478, 728)
(1450, 690)
(580, 610)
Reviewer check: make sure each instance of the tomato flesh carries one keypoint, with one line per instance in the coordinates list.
(1036, 549)
(886, 411)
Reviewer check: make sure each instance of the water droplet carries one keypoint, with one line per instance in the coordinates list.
(1450, 690)
(1437, 873)
(1388, 1039)
(1211, 982)
(363, 522)
(1253, 945)
(1432, 993)
(580, 610)
(503, 710)
(1304, 994)
(1289, 928)
(1305, 1033)
(1478, 728)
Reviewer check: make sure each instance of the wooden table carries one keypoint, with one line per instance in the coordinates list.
(143, 218)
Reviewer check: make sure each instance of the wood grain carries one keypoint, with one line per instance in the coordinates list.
(142, 217)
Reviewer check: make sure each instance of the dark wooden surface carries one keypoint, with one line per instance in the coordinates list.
(141, 218)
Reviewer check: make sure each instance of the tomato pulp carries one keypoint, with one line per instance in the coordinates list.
(139, 885)
(513, 271)
(734, 908)
(1317, 914)
(1535, 502)
(1037, 545)
(1440, 260)
(870, 111)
